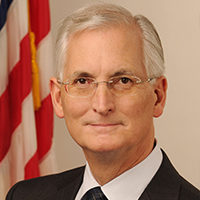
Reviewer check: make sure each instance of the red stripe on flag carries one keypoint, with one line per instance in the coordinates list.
(40, 25)
(18, 88)
(44, 126)
(40, 18)
(32, 167)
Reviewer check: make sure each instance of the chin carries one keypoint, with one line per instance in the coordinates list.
(102, 147)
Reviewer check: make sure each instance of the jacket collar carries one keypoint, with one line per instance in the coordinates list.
(164, 185)
(70, 185)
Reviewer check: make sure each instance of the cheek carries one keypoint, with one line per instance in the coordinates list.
(137, 107)
(74, 108)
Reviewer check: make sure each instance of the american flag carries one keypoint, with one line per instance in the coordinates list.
(26, 115)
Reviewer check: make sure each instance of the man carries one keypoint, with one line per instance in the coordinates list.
(110, 86)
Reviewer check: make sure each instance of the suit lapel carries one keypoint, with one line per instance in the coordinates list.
(70, 186)
(164, 185)
(144, 196)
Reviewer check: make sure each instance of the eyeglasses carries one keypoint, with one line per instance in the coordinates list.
(86, 86)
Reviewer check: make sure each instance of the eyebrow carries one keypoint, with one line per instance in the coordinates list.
(78, 74)
(81, 74)
(122, 72)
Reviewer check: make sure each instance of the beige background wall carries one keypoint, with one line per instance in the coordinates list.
(178, 130)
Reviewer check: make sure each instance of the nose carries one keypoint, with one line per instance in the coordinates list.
(103, 100)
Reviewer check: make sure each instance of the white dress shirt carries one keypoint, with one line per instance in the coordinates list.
(129, 185)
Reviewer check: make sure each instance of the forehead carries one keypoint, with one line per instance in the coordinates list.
(105, 51)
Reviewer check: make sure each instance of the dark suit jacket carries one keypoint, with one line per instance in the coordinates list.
(167, 184)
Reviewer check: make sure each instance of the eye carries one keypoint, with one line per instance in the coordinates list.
(122, 80)
(80, 81)
(121, 83)
(125, 80)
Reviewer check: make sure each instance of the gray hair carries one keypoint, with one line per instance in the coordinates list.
(104, 14)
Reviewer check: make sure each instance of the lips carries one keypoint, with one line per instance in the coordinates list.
(104, 125)
(103, 128)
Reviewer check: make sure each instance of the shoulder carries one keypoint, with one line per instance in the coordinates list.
(169, 184)
(45, 187)
(188, 191)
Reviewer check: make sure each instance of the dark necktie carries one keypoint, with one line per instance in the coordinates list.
(94, 194)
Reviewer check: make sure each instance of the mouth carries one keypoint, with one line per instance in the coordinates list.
(104, 125)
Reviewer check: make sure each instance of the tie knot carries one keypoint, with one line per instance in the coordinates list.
(94, 194)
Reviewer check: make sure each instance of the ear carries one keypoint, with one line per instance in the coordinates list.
(160, 89)
(56, 97)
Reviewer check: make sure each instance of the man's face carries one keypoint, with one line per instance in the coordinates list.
(105, 122)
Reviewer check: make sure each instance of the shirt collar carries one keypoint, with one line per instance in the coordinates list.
(130, 184)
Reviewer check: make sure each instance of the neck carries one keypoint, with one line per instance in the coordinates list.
(105, 166)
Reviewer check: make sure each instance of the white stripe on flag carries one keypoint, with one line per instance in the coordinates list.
(17, 23)
(48, 164)
(3, 60)
(45, 63)
(22, 148)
